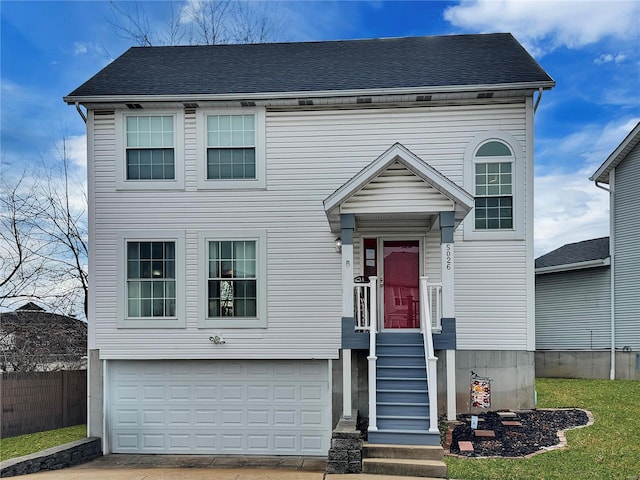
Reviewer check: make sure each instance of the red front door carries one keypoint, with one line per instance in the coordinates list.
(401, 271)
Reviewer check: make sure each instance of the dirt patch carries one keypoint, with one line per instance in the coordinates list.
(538, 430)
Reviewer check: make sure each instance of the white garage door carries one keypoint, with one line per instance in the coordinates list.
(225, 407)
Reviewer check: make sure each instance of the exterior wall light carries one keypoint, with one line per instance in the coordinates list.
(339, 245)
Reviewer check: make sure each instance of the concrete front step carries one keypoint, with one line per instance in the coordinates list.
(409, 467)
(404, 437)
(417, 452)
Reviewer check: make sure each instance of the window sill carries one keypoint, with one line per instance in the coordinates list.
(232, 323)
(151, 323)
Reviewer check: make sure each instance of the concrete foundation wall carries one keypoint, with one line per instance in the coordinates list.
(511, 374)
(359, 382)
(586, 364)
(95, 394)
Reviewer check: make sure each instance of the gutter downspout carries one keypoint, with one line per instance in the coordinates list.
(535, 107)
(84, 117)
(611, 190)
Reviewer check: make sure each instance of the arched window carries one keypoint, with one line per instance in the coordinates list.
(493, 186)
(494, 173)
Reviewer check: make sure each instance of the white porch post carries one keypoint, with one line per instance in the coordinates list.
(447, 223)
(347, 224)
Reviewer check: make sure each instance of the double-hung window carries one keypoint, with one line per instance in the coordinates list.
(233, 278)
(493, 187)
(153, 274)
(151, 279)
(232, 149)
(152, 150)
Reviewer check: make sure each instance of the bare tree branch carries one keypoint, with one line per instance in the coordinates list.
(204, 22)
(43, 241)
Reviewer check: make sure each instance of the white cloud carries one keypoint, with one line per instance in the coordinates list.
(75, 148)
(568, 207)
(545, 25)
(608, 58)
(79, 48)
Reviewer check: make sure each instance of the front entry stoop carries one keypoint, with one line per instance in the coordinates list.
(406, 460)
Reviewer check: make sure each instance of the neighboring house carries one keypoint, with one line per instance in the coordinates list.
(620, 176)
(32, 339)
(222, 318)
(573, 311)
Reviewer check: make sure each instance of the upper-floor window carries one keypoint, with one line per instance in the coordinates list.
(493, 187)
(231, 147)
(150, 150)
(494, 173)
(231, 153)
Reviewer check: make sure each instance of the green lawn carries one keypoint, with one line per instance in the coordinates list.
(34, 442)
(609, 449)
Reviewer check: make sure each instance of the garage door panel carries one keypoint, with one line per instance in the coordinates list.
(237, 407)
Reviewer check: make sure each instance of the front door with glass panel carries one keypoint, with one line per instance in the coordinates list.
(397, 264)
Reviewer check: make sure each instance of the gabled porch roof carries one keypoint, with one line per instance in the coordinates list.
(438, 192)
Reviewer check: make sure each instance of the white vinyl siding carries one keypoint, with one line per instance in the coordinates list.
(490, 294)
(573, 310)
(309, 155)
(626, 251)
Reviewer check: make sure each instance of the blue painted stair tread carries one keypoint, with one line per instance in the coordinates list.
(402, 401)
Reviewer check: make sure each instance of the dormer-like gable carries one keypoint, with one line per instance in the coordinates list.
(397, 183)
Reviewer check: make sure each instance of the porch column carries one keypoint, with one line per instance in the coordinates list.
(347, 225)
(447, 223)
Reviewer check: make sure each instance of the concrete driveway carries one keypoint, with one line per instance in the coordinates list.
(190, 467)
(89, 472)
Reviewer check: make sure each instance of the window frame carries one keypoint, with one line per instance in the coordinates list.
(205, 183)
(260, 237)
(177, 321)
(122, 183)
(518, 207)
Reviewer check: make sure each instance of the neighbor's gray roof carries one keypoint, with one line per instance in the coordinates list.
(573, 253)
(412, 62)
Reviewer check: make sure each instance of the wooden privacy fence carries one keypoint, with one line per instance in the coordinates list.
(38, 401)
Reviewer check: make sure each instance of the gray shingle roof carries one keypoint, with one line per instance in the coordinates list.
(595, 249)
(456, 60)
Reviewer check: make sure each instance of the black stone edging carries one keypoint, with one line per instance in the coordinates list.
(55, 458)
(345, 454)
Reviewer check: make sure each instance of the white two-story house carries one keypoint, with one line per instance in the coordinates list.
(282, 234)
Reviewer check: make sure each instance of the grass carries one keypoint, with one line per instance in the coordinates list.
(607, 450)
(13, 447)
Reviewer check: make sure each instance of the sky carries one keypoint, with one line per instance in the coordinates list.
(590, 48)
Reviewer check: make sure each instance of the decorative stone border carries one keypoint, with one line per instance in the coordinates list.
(562, 438)
(62, 456)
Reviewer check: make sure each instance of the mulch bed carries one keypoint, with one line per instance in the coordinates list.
(539, 430)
